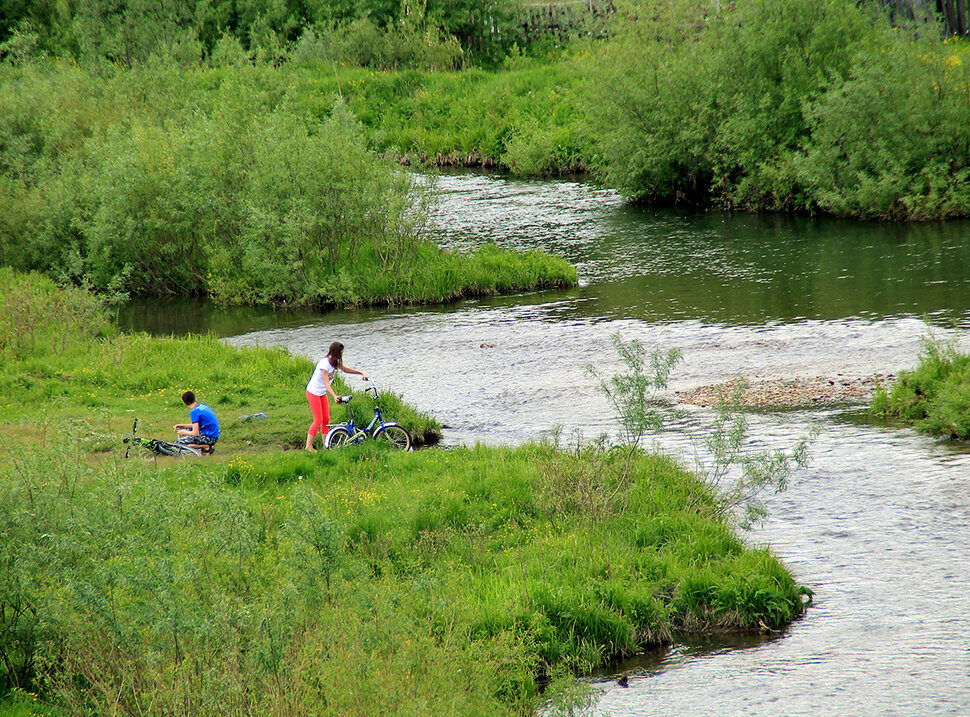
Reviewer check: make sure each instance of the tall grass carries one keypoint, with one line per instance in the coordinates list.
(362, 581)
(526, 118)
(934, 396)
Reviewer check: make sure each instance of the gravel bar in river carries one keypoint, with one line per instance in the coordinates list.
(792, 392)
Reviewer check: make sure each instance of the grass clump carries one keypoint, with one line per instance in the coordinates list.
(934, 396)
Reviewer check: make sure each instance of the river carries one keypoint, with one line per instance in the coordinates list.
(878, 526)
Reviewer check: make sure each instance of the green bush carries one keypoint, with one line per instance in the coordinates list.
(912, 164)
(759, 105)
(234, 184)
(707, 105)
(934, 396)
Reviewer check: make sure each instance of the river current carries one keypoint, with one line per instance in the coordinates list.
(878, 526)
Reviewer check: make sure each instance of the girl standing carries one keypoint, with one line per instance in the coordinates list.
(320, 386)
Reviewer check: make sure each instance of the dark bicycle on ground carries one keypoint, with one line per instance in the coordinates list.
(158, 446)
(348, 432)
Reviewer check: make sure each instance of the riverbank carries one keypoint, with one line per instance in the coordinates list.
(934, 396)
(361, 581)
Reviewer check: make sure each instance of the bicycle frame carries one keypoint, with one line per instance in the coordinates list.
(358, 433)
(157, 446)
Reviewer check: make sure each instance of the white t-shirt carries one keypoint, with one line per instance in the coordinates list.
(316, 386)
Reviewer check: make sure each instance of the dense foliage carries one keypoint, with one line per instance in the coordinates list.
(261, 581)
(527, 118)
(227, 183)
(801, 105)
(934, 396)
(377, 32)
(752, 105)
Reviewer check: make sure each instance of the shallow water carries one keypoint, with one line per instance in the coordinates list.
(878, 526)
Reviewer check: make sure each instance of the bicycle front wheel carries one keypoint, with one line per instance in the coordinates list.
(396, 436)
(336, 437)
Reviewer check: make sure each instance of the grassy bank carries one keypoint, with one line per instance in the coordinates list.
(527, 117)
(934, 396)
(246, 183)
(64, 364)
(262, 580)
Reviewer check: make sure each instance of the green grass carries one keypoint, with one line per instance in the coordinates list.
(526, 117)
(93, 381)
(164, 181)
(934, 396)
(361, 581)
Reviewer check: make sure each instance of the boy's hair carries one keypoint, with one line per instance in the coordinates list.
(188, 398)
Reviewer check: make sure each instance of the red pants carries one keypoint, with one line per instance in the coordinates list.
(320, 408)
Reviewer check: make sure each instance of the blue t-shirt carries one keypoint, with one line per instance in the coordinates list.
(208, 423)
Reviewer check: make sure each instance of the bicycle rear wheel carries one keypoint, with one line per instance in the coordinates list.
(336, 437)
(395, 435)
(166, 448)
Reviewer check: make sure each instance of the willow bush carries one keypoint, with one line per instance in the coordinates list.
(706, 104)
(227, 182)
(893, 141)
(795, 106)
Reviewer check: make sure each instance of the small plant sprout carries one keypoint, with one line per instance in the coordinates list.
(634, 395)
(735, 474)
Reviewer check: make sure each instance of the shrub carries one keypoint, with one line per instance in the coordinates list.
(934, 396)
(707, 106)
(232, 183)
(912, 164)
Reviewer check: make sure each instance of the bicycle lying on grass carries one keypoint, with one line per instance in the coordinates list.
(158, 446)
(348, 432)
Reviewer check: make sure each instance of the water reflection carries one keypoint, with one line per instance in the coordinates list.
(665, 264)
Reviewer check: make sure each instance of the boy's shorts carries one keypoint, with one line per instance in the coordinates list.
(198, 440)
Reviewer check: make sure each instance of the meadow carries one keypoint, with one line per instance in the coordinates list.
(474, 580)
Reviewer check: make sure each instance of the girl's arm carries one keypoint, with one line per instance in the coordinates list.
(326, 382)
(348, 369)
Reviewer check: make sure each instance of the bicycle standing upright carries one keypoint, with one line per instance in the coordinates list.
(348, 432)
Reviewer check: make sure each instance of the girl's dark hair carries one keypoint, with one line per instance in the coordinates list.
(336, 354)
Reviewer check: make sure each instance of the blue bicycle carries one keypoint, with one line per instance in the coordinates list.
(348, 432)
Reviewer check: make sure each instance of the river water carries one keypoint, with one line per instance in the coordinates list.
(878, 526)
